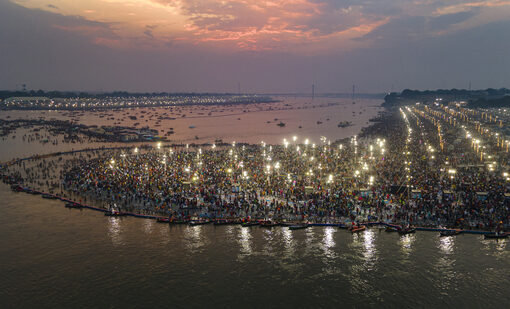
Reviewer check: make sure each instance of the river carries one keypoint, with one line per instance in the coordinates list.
(56, 257)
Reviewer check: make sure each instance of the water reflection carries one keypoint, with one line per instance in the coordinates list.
(148, 226)
(501, 245)
(114, 230)
(268, 236)
(288, 241)
(445, 265)
(229, 230)
(495, 247)
(362, 264)
(194, 239)
(446, 244)
(329, 256)
(164, 234)
(245, 241)
(310, 236)
(328, 241)
(370, 251)
(406, 243)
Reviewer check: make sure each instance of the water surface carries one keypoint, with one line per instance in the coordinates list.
(51, 257)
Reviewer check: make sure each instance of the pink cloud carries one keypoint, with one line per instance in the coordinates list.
(288, 25)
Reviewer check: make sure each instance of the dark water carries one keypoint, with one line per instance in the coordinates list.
(55, 257)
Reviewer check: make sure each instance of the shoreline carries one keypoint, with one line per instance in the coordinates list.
(339, 224)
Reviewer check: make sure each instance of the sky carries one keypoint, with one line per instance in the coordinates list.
(277, 46)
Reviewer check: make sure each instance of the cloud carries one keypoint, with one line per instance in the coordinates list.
(61, 51)
(295, 26)
(148, 31)
(411, 28)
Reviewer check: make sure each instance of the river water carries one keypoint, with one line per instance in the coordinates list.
(251, 123)
(52, 257)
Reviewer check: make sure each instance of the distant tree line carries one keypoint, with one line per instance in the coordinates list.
(408, 96)
(4, 94)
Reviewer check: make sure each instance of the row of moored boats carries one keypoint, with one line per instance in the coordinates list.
(262, 223)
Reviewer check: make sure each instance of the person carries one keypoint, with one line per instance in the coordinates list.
(499, 228)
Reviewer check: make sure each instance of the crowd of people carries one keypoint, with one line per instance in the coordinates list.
(398, 170)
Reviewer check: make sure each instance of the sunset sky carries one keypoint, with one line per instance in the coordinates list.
(266, 46)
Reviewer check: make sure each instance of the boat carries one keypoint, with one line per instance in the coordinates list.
(178, 221)
(162, 220)
(268, 223)
(223, 222)
(49, 196)
(298, 226)
(281, 124)
(199, 222)
(496, 235)
(287, 223)
(249, 223)
(344, 124)
(114, 213)
(16, 188)
(358, 229)
(406, 231)
(391, 229)
(73, 205)
(449, 233)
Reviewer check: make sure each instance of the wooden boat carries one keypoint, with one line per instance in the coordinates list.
(49, 196)
(249, 223)
(178, 221)
(17, 188)
(391, 229)
(223, 222)
(449, 233)
(344, 124)
(496, 235)
(406, 231)
(114, 214)
(268, 223)
(287, 224)
(73, 205)
(298, 226)
(358, 229)
(199, 222)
